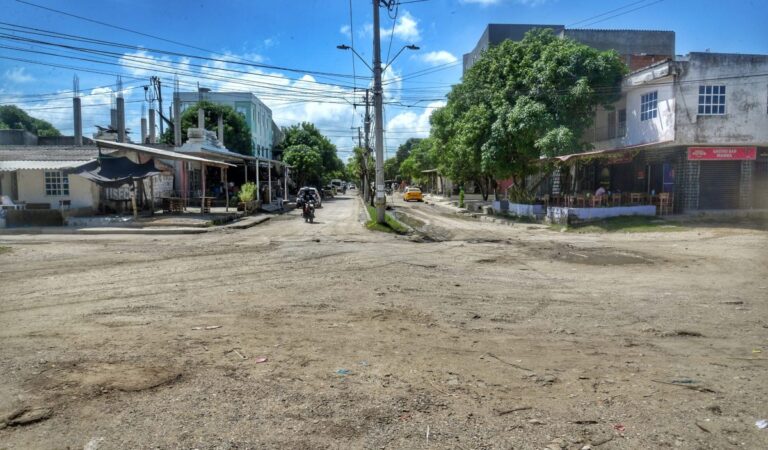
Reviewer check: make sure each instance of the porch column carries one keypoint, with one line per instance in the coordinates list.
(226, 188)
(258, 185)
(245, 169)
(285, 176)
(202, 181)
(269, 184)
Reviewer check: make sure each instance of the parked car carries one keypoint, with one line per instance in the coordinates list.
(411, 194)
(314, 192)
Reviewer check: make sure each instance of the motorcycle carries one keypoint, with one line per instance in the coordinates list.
(308, 211)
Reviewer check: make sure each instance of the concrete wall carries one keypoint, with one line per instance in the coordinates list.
(638, 132)
(627, 42)
(17, 137)
(746, 119)
(639, 47)
(31, 183)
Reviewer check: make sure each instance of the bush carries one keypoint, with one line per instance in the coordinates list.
(461, 197)
(247, 192)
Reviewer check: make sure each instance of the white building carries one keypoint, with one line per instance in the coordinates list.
(257, 115)
(696, 127)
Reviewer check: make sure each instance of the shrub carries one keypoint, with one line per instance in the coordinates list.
(247, 192)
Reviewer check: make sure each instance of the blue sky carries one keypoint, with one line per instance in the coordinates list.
(303, 35)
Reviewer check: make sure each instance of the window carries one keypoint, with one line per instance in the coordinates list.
(711, 100)
(622, 131)
(56, 183)
(649, 107)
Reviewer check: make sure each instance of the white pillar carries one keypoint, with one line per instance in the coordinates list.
(269, 182)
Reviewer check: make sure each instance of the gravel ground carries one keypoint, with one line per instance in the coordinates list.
(469, 335)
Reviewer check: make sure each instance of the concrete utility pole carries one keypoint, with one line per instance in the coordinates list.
(367, 122)
(381, 199)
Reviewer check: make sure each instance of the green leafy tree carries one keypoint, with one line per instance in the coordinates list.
(421, 157)
(391, 168)
(522, 100)
(14, 118)
(306, 163)
(308, 134)
(237, 133)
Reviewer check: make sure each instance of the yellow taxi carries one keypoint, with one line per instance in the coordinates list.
(412, 193)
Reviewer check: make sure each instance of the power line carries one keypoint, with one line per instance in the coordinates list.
(623, 13)
(606, 13)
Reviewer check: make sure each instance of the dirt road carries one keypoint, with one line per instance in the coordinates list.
(483, 336)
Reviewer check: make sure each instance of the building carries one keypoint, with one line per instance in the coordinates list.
(257, 115)
(695, 127)
(639, 48)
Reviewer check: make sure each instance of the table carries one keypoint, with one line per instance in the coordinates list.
(173, 205)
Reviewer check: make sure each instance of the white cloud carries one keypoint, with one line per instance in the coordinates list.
(270, 42)
(439, 57)
(18, 75)
(406, 28)
(346, 30)
(409, 124)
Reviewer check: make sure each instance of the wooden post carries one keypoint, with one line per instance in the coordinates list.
(226, 188)
(202, 194)
(258, 185)
(245, 167)
(152, 195)
(269, 183)
(285, 176)
(133, 198)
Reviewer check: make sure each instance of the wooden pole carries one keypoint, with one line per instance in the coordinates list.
(133, 198)
(152, 195)
(245, 169)
(285, 176)
(258, 185)
(269, 184)
(202, 194)
(226, 188)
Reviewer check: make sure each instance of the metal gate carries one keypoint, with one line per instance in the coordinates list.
(760, 185)
(719, 184)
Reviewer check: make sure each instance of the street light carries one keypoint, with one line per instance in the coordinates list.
(409, 47)
(380, 200)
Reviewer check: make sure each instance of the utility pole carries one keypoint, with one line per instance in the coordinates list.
(381, 199)
(367, 122)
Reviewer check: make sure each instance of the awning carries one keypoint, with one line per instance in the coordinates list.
(607, 152)
(160, 153)
(109, 171)
(12, 166)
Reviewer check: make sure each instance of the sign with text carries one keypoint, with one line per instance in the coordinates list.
(721, 153)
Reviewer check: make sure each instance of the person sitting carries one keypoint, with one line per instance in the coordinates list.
(600, 192)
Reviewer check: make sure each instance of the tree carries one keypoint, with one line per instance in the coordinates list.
(307, 134)
(391, 168)
(520, 101)
(421, 157)
(14, 118)
(405, 149)
(306, 163)
(237, 133)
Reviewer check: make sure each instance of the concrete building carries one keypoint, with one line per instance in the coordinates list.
(639, 48)
(257, 115)
(696, 127)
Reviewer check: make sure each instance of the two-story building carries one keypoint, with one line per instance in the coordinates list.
(696, 127)
(257, 115)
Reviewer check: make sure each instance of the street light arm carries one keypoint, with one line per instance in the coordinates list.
(409, 47)
(347, 47)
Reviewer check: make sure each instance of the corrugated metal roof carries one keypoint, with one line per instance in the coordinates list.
(160, 153)
(11, 166)
(49, 153)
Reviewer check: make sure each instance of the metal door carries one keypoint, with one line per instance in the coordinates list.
(719, 184)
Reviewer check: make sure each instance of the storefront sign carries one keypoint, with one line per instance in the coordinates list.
(721, 153)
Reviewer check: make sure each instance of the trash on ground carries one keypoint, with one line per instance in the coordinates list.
(209, 327)
(619, 427)
(762, 424)
(260, 359)
(343, 372)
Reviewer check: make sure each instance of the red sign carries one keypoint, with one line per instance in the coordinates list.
(721, 153)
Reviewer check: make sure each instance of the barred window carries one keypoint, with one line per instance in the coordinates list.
(56, 184)
(622, 123)
(649, 106)
(711, 100)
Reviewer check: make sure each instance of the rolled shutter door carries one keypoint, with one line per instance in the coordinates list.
(719, 184)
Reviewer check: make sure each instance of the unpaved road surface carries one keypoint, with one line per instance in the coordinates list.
(479, 337)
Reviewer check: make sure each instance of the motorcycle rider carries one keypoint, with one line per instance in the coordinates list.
(307, 196)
